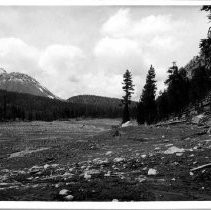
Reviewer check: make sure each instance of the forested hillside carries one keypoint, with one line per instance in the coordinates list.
(20, 106)
(103, 106)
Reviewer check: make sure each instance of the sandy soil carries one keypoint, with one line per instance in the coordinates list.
(82, 161)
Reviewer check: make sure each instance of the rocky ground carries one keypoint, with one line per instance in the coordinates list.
(82, 161)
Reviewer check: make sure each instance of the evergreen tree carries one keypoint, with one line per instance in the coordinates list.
(205, 44)
(199, 85)
(177, 90)
(147, 101)
(162, 106)
(128, 89)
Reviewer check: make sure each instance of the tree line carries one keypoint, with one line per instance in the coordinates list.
(181, 90)
(26, 107)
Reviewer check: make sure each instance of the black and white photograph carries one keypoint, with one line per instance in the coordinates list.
(105, 103)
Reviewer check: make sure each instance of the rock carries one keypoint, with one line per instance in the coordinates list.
(93, 171)
(179, 154)
(173, 150)
(191, 173)
(152, 171)
(57, 185)
(46, 166)
(141, 178)
(108, 173)
(67, 174)
(115, 200)
(126, 124)
(197, 119)
(54, 165)
(109, 153)
(87, 176)
(63, 192)
(143, 156)
(118, 160)
(98, 161)
(69, 197)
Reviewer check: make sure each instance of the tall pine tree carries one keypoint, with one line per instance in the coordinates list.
(128, 89)
(147, 105)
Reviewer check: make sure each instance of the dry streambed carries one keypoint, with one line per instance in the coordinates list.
(144, 163)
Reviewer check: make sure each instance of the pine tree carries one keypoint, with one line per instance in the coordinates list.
(147, 100)
(128, 89)
(199, 85)
(205, 44)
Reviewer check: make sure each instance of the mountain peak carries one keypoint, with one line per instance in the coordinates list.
(23, 83)
(2, 71)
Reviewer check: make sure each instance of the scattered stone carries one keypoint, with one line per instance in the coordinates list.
(126, 124)
(152, 171)
(165, 140)
(197, 119)
(109, 153)
(191, 173)
(143, 156)
(115, 200)
(87, 176)
(141, 178)
(118, 160)
(173, 150)
(179, 154)
(57, 185)
(108, 173)
(54, 165)
(98, 161)
(69, 197)
(63, 192)
(46, 166)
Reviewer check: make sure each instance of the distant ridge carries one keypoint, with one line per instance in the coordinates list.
(97, 100)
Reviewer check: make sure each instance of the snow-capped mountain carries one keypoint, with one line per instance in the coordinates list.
(22, 83)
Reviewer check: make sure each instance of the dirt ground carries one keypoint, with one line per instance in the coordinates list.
(81, 160)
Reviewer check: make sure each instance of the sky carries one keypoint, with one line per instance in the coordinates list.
(74, 50)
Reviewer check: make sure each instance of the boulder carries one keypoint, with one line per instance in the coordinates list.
(63, 192)
(172, 150)
(197, 119)
(152, 171)
(126, 124)
(69, 197)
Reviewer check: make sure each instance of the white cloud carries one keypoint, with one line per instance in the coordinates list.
(118, 24)
(128, 42)
(92, 61)
(56, 67)
(16, 55)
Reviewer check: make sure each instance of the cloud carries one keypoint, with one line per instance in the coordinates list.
(132, 43)
(16, 55)
(95, 65)
(56, 66)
